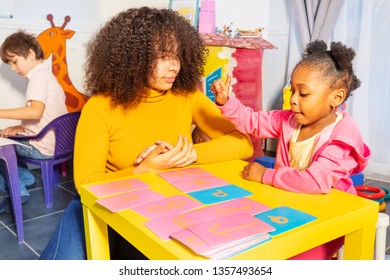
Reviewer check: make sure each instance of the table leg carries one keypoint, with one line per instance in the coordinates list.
(96, 236)
(359, 245)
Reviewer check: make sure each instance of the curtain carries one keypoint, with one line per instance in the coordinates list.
(315, 19)
(310, 20)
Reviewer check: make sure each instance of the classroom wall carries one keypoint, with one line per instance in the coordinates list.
(31, 16)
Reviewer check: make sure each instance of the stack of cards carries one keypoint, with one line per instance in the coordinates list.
(224, 237)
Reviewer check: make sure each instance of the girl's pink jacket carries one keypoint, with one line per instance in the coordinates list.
(338, 153)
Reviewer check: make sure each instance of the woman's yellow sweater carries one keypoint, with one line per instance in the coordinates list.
(109, 139)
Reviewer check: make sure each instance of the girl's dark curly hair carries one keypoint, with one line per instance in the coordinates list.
(333, 66)
(20, 43)
(123, 54)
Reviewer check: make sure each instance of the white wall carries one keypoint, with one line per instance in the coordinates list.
(31, 16)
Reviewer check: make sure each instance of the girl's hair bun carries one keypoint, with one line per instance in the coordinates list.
(315, 47)
(333, 65)
(341, 55)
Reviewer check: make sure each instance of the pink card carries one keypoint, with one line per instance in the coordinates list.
(167, 207)
(229, 229)
(183, 174)
(164, 227)
(192, 241)
(199, 183)
(129, 200)
(200, 247)
(234, 249)
(120, 186)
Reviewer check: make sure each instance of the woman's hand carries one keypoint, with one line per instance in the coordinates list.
(147, 150)
(221, 90)
(11, 131)
(160, 158)
(254, 172)
(193, 157)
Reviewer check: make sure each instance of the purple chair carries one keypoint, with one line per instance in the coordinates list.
(7, 154)
(64, 128)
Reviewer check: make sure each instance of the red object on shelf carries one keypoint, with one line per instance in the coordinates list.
(248, 88)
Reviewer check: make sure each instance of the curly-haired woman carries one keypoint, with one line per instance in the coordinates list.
(142, 70)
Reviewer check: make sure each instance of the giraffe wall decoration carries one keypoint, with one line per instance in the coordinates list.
(53, 42)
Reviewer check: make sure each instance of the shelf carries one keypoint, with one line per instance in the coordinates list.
(217, 39)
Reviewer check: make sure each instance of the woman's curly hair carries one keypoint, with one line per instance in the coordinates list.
(334, 65)
(122, 55)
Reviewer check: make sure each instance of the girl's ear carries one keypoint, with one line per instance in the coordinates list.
(338, 97)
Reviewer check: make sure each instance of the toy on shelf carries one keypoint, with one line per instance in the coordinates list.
(246, 33)
(226, 30)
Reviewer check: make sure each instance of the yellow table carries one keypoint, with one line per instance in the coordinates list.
(337, 213)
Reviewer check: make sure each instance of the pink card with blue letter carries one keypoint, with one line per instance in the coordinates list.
(219, 194)
(285, 218)
(115, 187)
(167, 207)
(128, 200)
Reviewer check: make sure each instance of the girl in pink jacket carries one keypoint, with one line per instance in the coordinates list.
(319, 147)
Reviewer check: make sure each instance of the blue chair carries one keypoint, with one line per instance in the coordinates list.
(7, 154)
(266, 161)
(64, 128)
